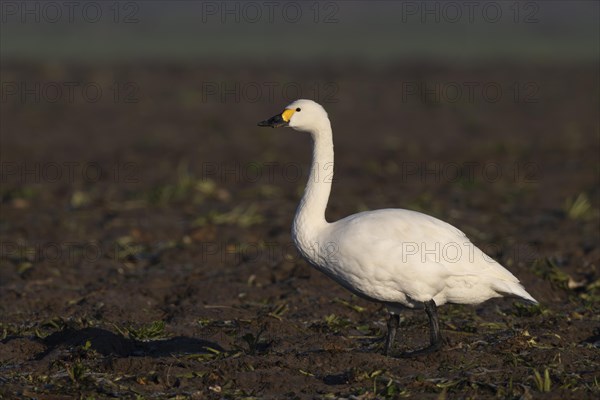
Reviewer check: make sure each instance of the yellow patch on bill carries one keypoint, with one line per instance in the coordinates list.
(287, 114)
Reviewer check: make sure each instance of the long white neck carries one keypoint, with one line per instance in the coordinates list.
(310, 216)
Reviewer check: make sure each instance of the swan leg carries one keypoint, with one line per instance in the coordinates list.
(435, 335)
(392, 328)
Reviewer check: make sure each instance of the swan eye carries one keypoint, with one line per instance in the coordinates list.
(298, 109)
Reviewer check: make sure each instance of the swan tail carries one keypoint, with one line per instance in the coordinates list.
(513, 289)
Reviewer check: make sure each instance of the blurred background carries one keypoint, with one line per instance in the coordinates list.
(141, 116)
(152, 87)
(155, 83)
(379, 32)
(132, 167)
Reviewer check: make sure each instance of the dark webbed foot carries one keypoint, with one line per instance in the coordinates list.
(435, 336)
(427, 350)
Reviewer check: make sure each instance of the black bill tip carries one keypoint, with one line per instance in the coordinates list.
(276, 121)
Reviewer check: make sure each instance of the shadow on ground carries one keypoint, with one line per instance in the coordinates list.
(108, 343)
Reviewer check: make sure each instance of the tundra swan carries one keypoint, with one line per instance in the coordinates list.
(396, 257)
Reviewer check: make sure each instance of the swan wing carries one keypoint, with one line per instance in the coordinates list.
(403, 254)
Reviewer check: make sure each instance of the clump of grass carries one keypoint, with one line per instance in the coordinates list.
(186, 187)
(54, 324)
(306, 373)
(278, 311)
(76, 371)
(543, 384)
(209, 355)
(335, 323)
(256, 343)
(548, 270)
(528, 310)
(591, 295)
(126, 248)
(19, 194)
(241, 216)
(80, 199)
(579, 208)
(381, 386)
(153, 331)
(351, 306)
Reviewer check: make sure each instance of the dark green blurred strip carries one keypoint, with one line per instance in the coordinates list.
(378, 32)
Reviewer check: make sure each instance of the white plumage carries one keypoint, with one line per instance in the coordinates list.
(398, 257)
(404, 257)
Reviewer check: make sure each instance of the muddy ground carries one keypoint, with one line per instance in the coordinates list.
(145, 236)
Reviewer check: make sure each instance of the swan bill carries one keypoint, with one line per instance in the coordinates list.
(279, 120)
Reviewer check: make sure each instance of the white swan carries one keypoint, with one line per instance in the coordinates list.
(397, 257)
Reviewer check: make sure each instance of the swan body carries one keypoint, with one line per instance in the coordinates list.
(401, 258)
(404, 258)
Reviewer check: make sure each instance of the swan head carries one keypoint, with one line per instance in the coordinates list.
(302, 115)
